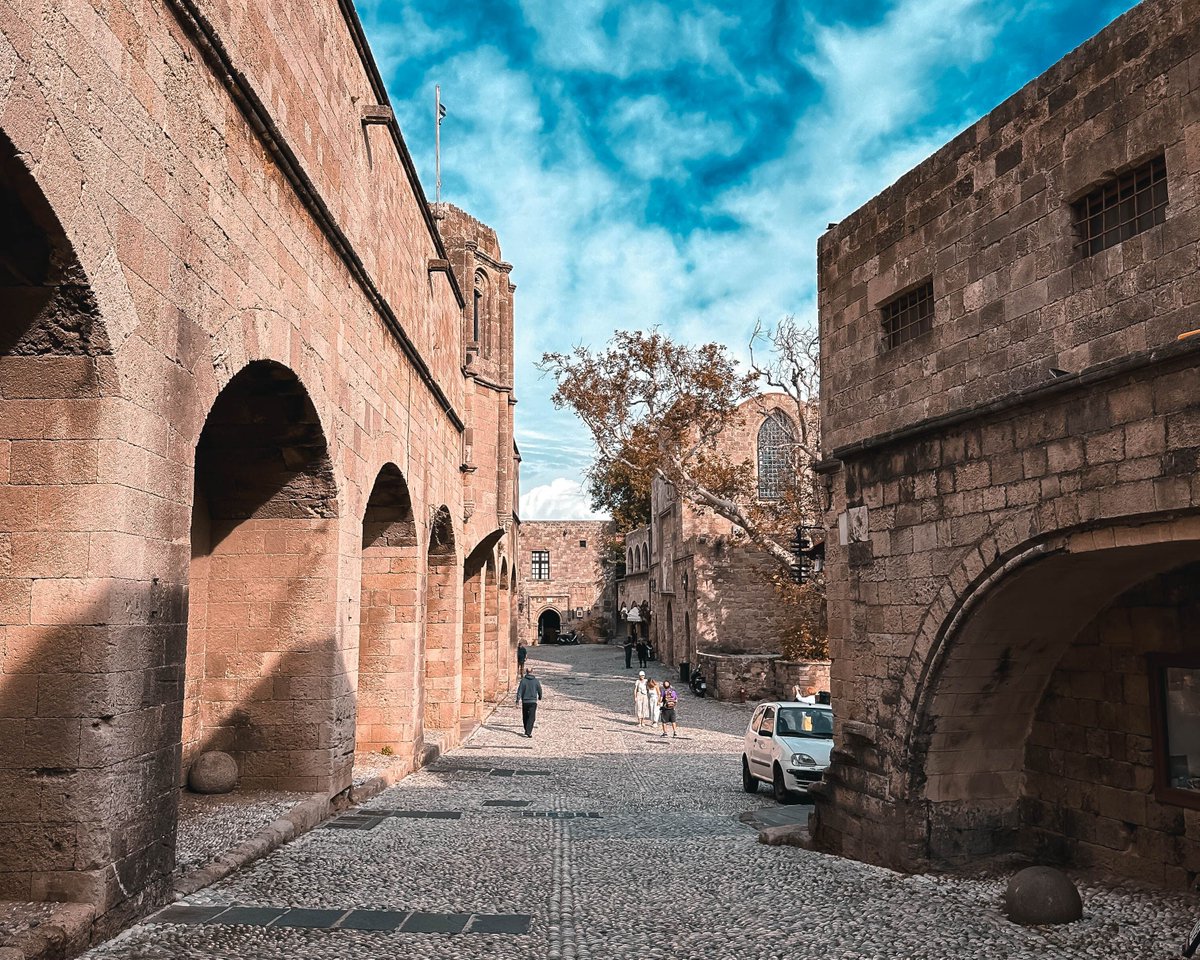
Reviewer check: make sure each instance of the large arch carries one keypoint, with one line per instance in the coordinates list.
(442, 671)
(988, 667)
(479, 579)
(83, 627)
(265, 680)
(388, 700)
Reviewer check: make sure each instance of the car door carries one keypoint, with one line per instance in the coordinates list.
(752, 732)
(760, 756)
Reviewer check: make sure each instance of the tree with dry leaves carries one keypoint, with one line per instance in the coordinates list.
(656, 410)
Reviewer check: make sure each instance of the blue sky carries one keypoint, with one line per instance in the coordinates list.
(672, 163)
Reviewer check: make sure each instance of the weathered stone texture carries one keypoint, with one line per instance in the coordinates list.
(1008, 506)
(233, 425)
(580, 577)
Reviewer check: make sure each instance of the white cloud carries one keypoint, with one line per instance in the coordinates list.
(654, 141)
(518, 153)
(560, 499)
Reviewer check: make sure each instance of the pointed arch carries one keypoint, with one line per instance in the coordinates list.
(388, 694)
(443, 640)
(262, 611)
(775, 444)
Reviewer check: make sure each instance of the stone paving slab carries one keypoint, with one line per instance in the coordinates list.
(667, 870)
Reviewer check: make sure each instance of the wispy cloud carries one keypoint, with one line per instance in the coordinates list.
(560, 499)
(672, 164)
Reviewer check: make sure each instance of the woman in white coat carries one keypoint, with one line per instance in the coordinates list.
(641, 699)
(655, 702)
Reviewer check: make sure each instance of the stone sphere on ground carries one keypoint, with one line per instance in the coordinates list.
(213, 772)
(1038, 895)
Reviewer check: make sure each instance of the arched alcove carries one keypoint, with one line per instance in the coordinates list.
(386, 709)
(443, 640)
(264, 679)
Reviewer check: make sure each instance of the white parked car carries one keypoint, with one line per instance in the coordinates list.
(788, 746)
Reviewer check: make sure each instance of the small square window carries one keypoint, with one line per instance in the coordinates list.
(1175, 714)
(908, 316)
(583, 543)
(1122, 207)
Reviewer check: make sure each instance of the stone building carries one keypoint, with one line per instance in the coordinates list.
(256, 462)
(707, 587)
(1011, 413)
(567, 582)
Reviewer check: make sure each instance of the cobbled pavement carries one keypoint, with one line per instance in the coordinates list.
(666, 871)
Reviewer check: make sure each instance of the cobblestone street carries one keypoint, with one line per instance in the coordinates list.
(595, 840)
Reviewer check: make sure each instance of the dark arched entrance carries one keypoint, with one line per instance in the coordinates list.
(549, 623)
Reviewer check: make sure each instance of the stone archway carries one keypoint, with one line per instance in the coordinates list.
(387, 709)
(443, 640)
(505, 648)
(549, 623)
(979, 733)
(265, 680)
(87, 635)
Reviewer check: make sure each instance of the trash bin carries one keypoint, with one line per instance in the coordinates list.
(685, 672)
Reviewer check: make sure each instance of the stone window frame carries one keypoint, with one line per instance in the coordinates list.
(892, 338)
(1130, 201)
(772, 482)
(1156, 666)
(539, 565)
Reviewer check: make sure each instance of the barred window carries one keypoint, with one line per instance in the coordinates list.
(1124, 206)
(541, 565)
(908, 316)
(775, 441)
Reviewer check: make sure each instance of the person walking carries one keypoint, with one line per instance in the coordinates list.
(522, 653)
(641, 699)
(670, 699)
(529, 692)
(655, 702)
(643, 652)
(628, 653)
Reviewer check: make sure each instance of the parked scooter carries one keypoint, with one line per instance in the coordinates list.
(571, 637)
(698, 684)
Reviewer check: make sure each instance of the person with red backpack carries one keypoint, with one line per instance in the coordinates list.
(670, 700)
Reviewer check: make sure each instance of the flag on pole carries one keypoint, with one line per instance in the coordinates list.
(441, 111)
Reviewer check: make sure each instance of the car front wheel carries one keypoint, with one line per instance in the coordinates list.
(749, 782)
(779, 787)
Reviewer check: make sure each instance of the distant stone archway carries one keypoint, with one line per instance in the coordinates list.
(549, 624)
(389, 695)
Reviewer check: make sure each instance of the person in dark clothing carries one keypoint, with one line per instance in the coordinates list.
(628, 653)
(522, 653)
(529, 692)
(643, 651)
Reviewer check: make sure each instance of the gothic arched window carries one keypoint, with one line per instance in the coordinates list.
(478, 304)
(776, 438)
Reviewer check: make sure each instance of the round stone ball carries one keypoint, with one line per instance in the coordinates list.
(213, 772)
(1038, 895)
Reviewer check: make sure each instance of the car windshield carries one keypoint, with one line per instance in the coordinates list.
(813, 722)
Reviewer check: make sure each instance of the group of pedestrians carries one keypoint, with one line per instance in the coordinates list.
(655, 703)
(643, 652)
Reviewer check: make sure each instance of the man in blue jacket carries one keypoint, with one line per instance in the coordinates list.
(529, 692)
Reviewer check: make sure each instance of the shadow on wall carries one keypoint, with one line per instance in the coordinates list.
(265, 679)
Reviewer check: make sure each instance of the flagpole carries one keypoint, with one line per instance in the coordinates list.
(437, 140)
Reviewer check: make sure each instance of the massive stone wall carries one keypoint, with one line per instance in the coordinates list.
(998, 481)
(579, 574)
(232, 418)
